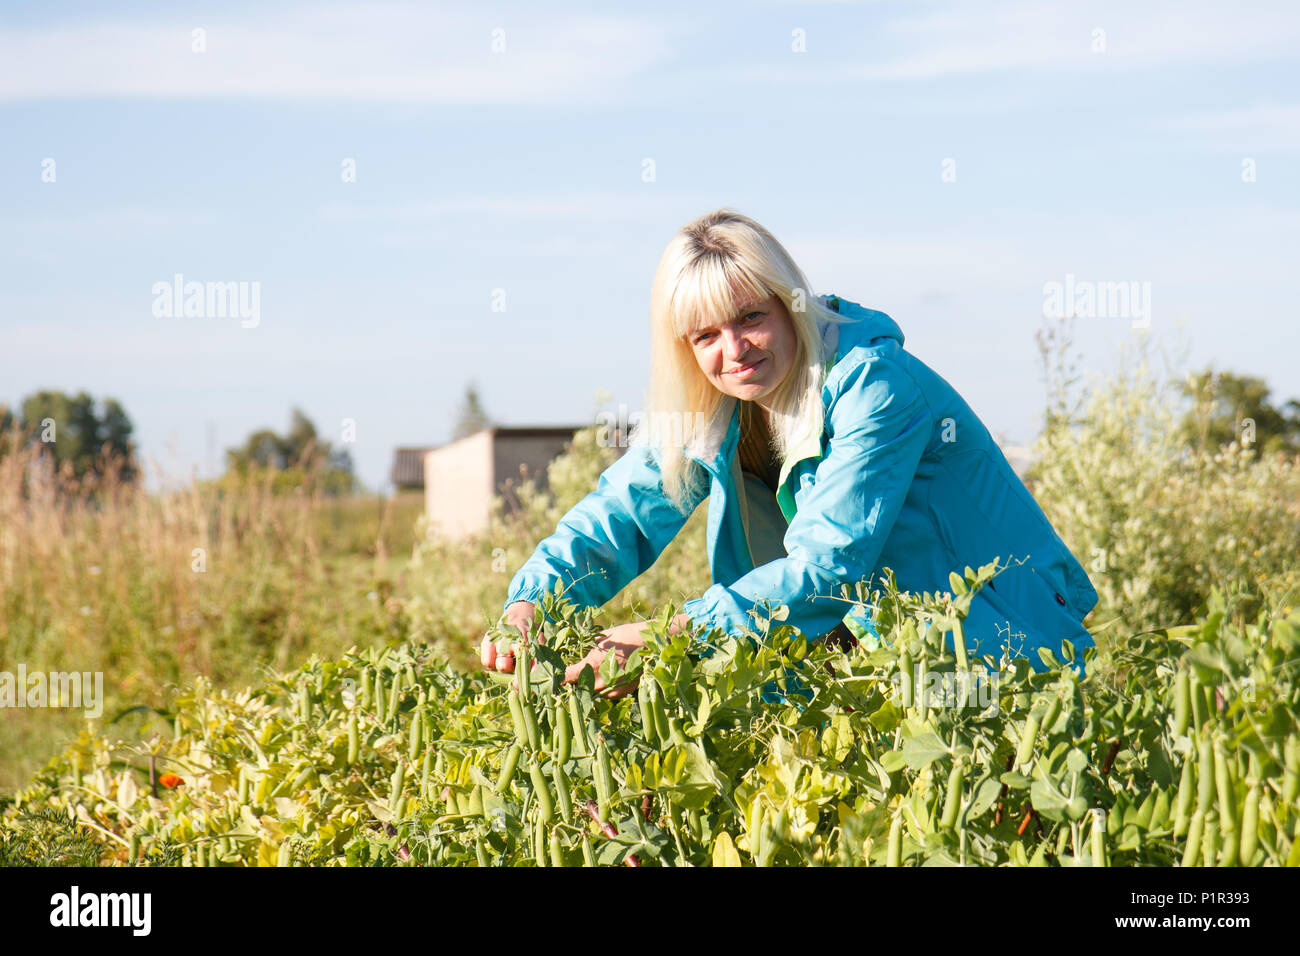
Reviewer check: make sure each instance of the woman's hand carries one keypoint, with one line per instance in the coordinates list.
(501, 656)
(620, 641)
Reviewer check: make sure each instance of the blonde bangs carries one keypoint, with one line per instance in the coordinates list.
(711, 295)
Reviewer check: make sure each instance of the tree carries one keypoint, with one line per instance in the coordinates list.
(472, 417)
(76, 434)
(300, 451)
(1227, 407)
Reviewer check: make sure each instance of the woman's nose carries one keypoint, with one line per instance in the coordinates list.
(734, 344)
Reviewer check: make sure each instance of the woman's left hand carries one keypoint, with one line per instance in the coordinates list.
(621, 640)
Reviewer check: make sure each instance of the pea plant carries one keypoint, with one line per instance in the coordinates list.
(762, 749)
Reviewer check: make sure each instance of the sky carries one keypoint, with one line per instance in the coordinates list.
(417, 196)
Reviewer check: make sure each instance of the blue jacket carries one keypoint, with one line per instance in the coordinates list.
(904, 476)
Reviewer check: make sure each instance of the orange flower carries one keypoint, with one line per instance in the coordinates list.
(170, 780)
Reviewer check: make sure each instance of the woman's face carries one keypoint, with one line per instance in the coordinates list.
(751, 354)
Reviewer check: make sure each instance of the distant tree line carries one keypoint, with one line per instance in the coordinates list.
(83, 439)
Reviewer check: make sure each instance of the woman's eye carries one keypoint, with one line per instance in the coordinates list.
(750, 318)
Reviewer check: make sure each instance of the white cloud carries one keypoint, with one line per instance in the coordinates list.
(1058, 35)
(1263, 128)
(588, 206)
(389, 51)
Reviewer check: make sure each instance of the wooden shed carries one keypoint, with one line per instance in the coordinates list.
(461, 478)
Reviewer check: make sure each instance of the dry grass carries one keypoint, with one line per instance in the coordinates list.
(215, 578)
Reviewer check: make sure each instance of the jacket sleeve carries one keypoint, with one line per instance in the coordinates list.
(608, 538)
(878, 429)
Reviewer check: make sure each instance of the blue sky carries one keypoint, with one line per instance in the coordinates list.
(1113, 157)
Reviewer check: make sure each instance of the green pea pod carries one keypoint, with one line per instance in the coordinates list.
(1195, 691)
(563, 736)
(647, 713)
(1053, 712)
(363, 696)
(1210, 840)
(480, 853)
(695, 823)
(1098, 840)
(395, 789)
(588, 854)
(530, 724)
(1227, 807)
(1160, 815)
(417, 729)
(1145, 809)
(1204, 775)
(508, 766)
(562, 791)
(134, 851)
(523, 672)
(952, 801)
(1223, 782)
(1250, 825)
(394, 696)
(539, 843)
(557, 852)
(425, 772)
(1290, 770)
(1182, 703)
(675, 732)
(243, 787)
(603, 775)
(545, 803)
(304, 703)
(354, 740)
(894, 857)
(1186, 789)
(548, 701)
(1192, 849)
(1211, 704)
(660, 712)
(922, 669)
(905, 670)
(517, 717)
(578, 725)
(1027, 739)
(380, 696)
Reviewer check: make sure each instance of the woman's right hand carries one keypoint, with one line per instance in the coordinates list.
(501, 656)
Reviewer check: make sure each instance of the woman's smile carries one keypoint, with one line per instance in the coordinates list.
(745, 371)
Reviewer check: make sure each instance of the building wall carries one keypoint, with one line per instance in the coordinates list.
(535, 452)
(458, 486)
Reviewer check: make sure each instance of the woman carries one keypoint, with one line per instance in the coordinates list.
(826, 451)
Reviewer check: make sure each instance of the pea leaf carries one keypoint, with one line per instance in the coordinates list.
(921, 751)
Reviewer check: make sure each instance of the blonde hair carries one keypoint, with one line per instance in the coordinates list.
(710, 268)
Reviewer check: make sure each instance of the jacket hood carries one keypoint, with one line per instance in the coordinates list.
(868, 325)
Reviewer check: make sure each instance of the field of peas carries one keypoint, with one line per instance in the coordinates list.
(730, 752)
